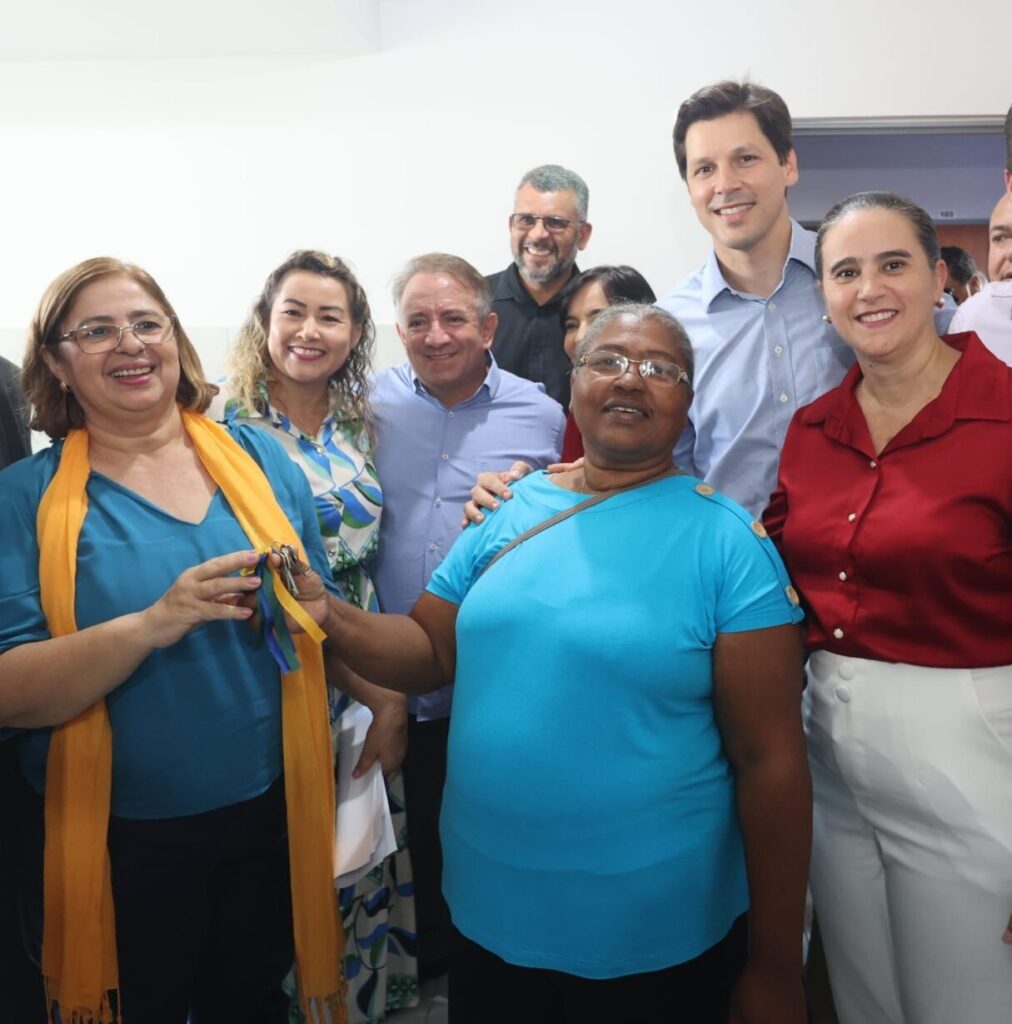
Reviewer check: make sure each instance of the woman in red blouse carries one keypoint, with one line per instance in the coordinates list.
(894, 514)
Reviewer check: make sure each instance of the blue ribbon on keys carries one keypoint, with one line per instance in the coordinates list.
(273, 627)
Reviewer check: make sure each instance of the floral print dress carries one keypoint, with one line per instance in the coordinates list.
(378, 912)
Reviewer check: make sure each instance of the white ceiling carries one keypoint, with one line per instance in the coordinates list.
(60, 30)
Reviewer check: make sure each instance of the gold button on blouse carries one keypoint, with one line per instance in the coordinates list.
(792, 595)
(704, 489)
(758, 529)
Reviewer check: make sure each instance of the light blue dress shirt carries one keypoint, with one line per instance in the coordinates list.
(428, 458)
(758, 360)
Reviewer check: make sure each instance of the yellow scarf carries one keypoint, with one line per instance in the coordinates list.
(79, 944)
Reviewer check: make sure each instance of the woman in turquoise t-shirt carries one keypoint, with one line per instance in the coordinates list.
(627, 771)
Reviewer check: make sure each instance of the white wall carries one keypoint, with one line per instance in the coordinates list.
(209, 172)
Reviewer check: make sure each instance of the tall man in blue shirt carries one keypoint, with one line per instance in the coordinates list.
(441, 417)
(753, 310)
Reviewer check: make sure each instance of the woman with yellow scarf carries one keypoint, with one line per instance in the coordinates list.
(190, 762)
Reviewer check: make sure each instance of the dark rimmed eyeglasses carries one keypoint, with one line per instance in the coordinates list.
(555, 225)
(611, 364)
(94, 339)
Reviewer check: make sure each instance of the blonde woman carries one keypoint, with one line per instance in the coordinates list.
(298, 371)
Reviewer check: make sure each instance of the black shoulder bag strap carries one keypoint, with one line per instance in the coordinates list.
(559, 517)
(544, 525)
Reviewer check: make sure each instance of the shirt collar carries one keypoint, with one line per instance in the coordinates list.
(972, 391)
(510, 286)
(278, 419)
(487, 390)
(802, 250)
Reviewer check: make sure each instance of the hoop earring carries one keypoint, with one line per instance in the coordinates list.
(64, 387)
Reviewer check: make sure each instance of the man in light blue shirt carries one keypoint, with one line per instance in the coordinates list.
(441, 418)
(753, 310)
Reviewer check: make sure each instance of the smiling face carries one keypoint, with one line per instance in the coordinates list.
(999, 253)
(133, 379)
(583, 307)
(541, 256)
(736, 181)
(446, 342)
(310, 333)
(880, 288)
(628, 420)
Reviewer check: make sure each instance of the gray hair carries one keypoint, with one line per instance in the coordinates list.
(553, 178)
(443, 263)
(641, 312)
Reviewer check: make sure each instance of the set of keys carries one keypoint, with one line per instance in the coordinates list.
(291, 566)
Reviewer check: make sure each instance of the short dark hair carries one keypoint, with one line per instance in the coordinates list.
(1008, 141)
(713, 101)
(922, 224)
(619, 284)
(960, 263)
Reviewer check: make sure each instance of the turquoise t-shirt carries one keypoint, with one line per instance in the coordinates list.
(198, 725)
(588, 820)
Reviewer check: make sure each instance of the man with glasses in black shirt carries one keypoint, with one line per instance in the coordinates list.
(548, 227)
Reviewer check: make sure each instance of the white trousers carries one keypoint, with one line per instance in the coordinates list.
(912, 845)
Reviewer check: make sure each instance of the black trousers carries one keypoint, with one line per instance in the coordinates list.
(484, 989)
(203, 911)
(22, 996)
(424, 776)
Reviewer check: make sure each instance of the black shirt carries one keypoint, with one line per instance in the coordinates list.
(14, 438)
(528, 340)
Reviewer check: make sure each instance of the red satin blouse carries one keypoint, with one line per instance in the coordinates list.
(905, 556)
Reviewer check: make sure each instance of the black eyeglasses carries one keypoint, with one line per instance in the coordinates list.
(556, 225)
(94, 339)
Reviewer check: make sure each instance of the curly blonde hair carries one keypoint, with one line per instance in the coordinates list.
(249, 363)
(56, 412)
